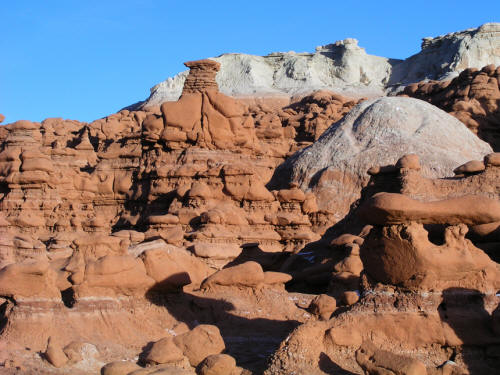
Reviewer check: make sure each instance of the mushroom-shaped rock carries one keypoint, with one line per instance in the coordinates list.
(323, 306)
(393, 208)
(375, 361)
(199, 343)
(218, 364)
(248, 274)
(119, 368)
(54, 353)
(201, 76)
(164, 351)
(473, 166)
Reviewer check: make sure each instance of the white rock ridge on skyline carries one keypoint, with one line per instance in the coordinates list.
(344, 67)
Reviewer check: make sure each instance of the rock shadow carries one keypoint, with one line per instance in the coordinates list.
(328, 366)
(463, 310)
(249, 341)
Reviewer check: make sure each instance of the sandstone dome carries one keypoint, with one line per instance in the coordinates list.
(379, 132)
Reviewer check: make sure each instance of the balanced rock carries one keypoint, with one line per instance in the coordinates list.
(393, 208)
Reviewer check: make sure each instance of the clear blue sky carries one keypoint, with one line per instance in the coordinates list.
(86, 59)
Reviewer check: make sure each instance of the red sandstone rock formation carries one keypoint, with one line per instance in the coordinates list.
(158, 226)
(112, 215)
(473, 97)
(420, 268)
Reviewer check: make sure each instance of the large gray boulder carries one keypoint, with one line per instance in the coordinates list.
(378, 132)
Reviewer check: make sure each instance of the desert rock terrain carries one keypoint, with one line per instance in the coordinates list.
(286, 222)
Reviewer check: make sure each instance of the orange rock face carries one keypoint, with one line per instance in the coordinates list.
(473, 97)
(116, 214)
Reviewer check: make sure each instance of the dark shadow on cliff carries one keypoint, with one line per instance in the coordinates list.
(270, 261)
(463, 310)
(312, 266)
(328, 366)
(249, 341)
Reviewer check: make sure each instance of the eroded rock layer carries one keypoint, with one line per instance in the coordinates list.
(204, 237)
(428, 285)
(473, 98)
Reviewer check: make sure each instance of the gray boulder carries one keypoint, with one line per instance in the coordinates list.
(378, 132)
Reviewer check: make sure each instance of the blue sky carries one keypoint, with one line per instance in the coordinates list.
(86, 59)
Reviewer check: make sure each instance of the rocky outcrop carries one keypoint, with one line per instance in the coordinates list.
(156, 239)
(378, 131)
(472, 97)
(100, 222)
(420, 269)
(447, 55)
(344, 67)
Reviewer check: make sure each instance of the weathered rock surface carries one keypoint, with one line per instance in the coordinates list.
(344, 67)
(154, 238)
(378, 131)
(375, 361)
(414, 275)
(472, 97)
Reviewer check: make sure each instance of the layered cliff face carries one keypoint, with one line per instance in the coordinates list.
(345, 67)
(114, 215)
(216, 235)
